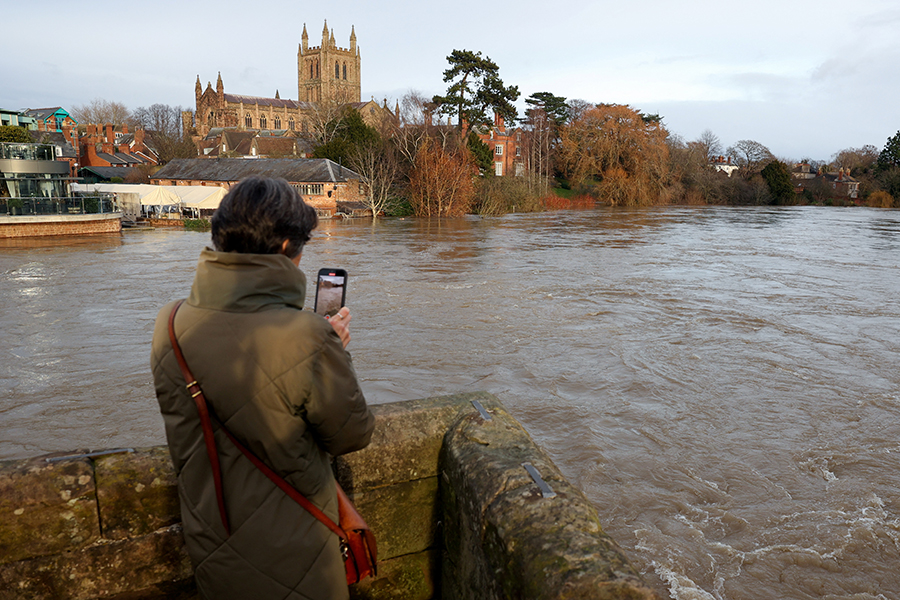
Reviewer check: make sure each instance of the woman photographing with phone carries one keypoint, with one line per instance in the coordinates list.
(278, 380)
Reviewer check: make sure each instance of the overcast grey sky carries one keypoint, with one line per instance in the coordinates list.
(805, 79)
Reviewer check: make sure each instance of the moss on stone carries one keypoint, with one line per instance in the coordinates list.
(138, 492)
(46, 508)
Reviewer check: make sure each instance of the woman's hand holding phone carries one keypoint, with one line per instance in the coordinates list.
(341, 324)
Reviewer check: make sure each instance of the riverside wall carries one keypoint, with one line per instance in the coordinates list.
(442, 485)
(45, 225)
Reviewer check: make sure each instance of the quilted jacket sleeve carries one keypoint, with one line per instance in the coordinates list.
(336, 409)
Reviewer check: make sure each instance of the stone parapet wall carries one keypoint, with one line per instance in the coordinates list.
(454, 512)
(504, 538)
(36, 226)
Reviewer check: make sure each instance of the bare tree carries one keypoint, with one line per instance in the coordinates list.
(709, 143)
(163, 123)
(101, 112)
(325, 117)
(414, 123)
(856, 159)
(750, 156)
(378, 167)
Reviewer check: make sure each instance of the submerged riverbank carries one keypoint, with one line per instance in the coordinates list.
(719, 381)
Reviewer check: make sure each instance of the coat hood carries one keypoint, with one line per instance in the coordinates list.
(246, 282)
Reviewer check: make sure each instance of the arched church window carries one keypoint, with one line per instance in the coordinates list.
(262, 121)
(337, 70)
(311, 69)
(211, 119)
(317, 68)
(291, 123)
(345, 70)
(277, 122)
(248, 120)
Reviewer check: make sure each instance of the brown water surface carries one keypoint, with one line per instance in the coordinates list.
(721, 382)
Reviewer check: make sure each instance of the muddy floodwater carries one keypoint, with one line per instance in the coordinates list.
(722, 382)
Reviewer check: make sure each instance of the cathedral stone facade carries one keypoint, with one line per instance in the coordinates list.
(325, 74)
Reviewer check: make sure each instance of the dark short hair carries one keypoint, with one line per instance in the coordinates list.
(258, 214)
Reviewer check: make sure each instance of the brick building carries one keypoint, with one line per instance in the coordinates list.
(51, 119)
(506, 146)
(102, 146)
(321, 182)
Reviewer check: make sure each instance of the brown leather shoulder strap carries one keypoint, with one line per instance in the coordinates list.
(206, 421)
(208, 435)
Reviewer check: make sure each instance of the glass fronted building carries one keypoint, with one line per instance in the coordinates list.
(33, 182)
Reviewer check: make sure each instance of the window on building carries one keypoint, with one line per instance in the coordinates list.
(498, 169)
(308, 189)
(277, 122)
(291, 123)
(262, 121)
(248, 120)
(211, 119)
(345, 70)
(518, 151)
(317, 69)
(337, 70)
(311, 70)
(498, 150)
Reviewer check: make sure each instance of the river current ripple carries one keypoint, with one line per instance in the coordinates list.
(721, 382)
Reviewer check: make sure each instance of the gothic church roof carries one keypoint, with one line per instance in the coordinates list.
(276, 102)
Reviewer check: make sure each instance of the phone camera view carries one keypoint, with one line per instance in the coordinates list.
(331, 290)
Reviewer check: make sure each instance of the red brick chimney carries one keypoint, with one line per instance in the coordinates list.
(108, 141)
(124, 127)
(498, 121)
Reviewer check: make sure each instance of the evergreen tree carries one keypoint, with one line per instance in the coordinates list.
(352, 133)
(778, 178)
(890, 156)
(14, 133)
(481, 153)
(476, 88)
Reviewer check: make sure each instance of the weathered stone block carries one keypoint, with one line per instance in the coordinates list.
(404, 516)
(152, 562)
(407, 441)
(409, 577)
(504, 539)
(138, 492)
(555, 548)
(46, 507)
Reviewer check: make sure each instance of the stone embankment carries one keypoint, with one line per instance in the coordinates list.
(443, 486)
(46, 225)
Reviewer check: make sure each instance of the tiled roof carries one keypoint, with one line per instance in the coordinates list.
(107, 172)
(268, 145)
(276, 102)
(57, 139)
(297, 170)
(41, 113)
(112, 160)
(127, 158)
(233, 139)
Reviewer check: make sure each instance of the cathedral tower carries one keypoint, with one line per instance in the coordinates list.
(328, 72)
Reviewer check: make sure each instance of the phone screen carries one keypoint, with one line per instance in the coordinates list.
(331, 291)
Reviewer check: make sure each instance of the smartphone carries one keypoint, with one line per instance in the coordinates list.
(331, 291)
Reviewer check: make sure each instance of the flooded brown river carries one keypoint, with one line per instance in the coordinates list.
(721, 382)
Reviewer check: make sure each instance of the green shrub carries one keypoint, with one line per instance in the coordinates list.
(197, 224)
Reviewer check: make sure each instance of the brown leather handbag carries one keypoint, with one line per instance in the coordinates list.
(358, 545)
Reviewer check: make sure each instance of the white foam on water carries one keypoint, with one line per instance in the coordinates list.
(682, 587)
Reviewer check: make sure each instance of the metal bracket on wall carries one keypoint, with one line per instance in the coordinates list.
(484, 413)
(89, 454)
(546, 492)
